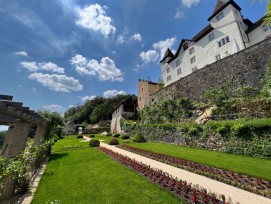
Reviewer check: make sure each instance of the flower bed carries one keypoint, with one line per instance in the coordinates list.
(187, 192)
(254, 185)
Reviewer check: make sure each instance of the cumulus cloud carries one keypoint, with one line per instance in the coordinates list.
(149, 56)
(164, 44)
(111, 93)
(93, 17)
(179, 14)
(45, 66)
(87, 98)
(58, 83)
(137, 37)
(21, 53)
(189, 3)
(105, 70)
(52, 108)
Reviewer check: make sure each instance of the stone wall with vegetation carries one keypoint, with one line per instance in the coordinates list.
(251, 137)
(243, 68)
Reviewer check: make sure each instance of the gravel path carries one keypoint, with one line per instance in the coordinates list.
(236, 194)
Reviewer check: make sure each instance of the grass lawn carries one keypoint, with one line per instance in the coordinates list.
(106, 139)
(79, 174)
(246, 165)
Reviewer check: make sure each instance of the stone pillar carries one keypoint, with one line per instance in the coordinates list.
(14, 144)
(15, 140)
(40, 133)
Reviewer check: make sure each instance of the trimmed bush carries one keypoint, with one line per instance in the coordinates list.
(94, 143)
(91, 136)
(125, 137)
(113, 141)
(79, 136)
(138, 137)
(108, 134)
(116, 135)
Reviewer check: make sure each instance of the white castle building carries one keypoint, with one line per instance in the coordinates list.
(227, 33)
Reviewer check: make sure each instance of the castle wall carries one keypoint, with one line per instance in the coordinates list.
(243, 68)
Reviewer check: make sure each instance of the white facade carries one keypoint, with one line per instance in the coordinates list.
(225, 36)
(116, 116)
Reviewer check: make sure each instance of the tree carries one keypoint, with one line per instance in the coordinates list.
(267, 19)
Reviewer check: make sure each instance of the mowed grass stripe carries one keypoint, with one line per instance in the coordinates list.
(242, 164)
(89, 176)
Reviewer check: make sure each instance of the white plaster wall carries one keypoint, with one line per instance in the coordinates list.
(258, 35)
(115, 122)
(206, 51)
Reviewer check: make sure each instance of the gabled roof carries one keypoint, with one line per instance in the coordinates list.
(256, 25)
(220, 5)
(167, 54)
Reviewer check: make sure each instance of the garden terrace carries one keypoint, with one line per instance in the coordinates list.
(255, 185)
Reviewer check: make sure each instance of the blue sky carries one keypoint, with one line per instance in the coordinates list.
(55, 54)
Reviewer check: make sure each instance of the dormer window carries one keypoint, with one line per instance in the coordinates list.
(185, 46)
(168, 70)
(211, 37)
(219, 16)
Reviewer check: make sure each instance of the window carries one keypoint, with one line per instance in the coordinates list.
(139, 98)
(218, 57)
(223, 41)
(192, 60)
(178, 63)
(191, 50)
(179, 71)
(266, 28)
(236, 12)
(194, 69)
(185, 46)
(211, 37)
(168, 78)
(168, 70)
(142, 89)
(219, 16)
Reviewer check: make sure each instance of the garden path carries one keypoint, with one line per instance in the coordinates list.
(235, 194)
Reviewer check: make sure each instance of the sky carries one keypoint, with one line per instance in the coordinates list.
(59, 53)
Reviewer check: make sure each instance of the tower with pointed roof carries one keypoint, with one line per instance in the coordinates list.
(227, 33)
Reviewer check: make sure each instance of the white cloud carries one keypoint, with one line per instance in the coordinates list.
(111, 93)
(164, 44)
(52, 108)
(149, 56)
(45, 66)
(58, 83)
(189, 3)
(22, 53)
(3, 128)
(93, 17)
(179, 14)
(137, 37)
(86, 98)
(120, 39)
(105, 70)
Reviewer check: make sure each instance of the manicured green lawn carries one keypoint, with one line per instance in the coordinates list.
(246, 165)
(78, 174)
(106, 139)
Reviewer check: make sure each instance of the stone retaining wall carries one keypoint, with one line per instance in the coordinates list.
(243, 68)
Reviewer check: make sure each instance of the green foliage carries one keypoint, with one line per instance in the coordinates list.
(79, 136)
(247, 92)
(94, 143)
(91, 136)
(116, 135)
(92, 111)
(125, 136)
(2, 138)
(114, 141)
(266, 90)
(267, 19)
(138, 137)
(167, 111)
(108, 134)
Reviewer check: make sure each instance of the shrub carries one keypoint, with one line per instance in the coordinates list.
(239, 129)
(113, 141)
(139, 138)
(91, 136)
(108, 134)
(94, 143)
(125, 136)
(79, 136)
(116, 135)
